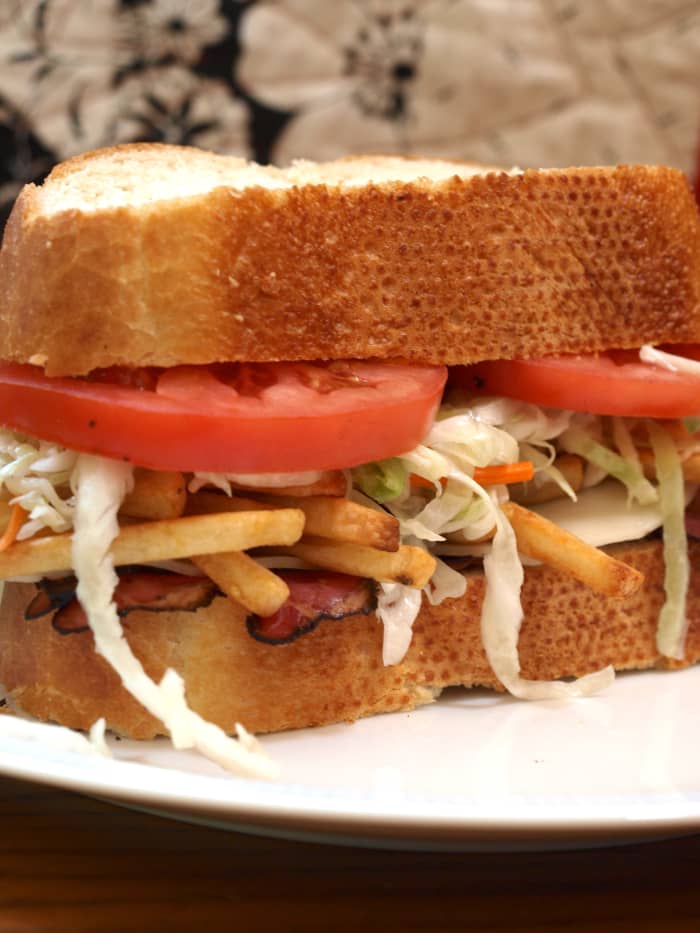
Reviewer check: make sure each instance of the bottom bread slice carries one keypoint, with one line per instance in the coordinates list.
(334, 673)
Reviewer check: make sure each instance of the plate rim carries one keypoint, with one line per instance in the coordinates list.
(250, 805)
(455, 814)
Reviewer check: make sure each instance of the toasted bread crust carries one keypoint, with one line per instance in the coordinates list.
(335, 673)
(449, 271)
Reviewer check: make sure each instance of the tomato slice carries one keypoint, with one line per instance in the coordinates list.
(249, 418)
(613, 383)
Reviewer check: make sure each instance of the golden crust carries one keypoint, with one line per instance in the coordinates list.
(335, 673)
(450, 271)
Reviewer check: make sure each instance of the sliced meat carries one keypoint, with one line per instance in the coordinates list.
(313, 596)
(51, 595)
(144, 588)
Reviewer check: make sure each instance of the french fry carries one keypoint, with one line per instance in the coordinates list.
(571, 467)
(256, 588)
(156, 495)
(410, 565)
(544, 541)
(163, 540)
(690, 466)
(330, 483)
(216, 503)
(326, 517)
(344, 520)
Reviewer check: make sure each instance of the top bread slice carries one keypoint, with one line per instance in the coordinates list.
(158, 255)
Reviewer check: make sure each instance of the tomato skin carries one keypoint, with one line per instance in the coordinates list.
(290, 427)
(614, 383)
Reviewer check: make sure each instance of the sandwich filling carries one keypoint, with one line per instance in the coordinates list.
(311, 491)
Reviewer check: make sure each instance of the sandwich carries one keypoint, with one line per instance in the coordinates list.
(288, 447)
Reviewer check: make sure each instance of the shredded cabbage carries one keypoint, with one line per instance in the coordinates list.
(37, 476)
(522, 420)
(577, 440)
(453, 447)
(676, 364)
(488, 431)
(673, 624)
(445, 583)
(622, 436)
(545, 471)
(471, 441)
(501, 618)
(270, 480)
(397, 608)
(100, 486)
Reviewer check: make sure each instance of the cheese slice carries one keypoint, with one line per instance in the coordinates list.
(603, 515)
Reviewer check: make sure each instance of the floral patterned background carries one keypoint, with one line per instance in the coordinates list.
(526, 82)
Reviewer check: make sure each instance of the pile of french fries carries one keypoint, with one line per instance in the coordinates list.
(161, 521)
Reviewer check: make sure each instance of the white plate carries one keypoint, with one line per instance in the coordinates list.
(473, 771)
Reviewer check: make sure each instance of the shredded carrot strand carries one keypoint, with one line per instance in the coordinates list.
(519, 472)
(13, 526)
